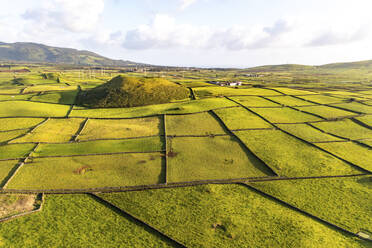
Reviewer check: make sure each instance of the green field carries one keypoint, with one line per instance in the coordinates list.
(193, 124)
(284, 115)
(345, 128)
(193, 167)
(81, 172)
(290, 157)
(326, 112)
(254, 101)
(18, 123)
(126, 128)
(240, 118)
(99, 147)
(227, 216)
(352, 152)
(331, 199)
(58, 225)
(32, 109)
(167, 108)
(213, 160)
(53, 130)
(307, 132)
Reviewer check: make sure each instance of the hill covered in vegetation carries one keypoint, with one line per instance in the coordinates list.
(33, 52)
(122, 91)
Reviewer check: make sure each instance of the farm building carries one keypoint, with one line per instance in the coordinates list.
(226, 83)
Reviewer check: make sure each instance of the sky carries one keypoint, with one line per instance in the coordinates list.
(202, 33)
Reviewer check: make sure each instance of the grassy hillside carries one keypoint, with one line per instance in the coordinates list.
(33, 52)
(123, 91)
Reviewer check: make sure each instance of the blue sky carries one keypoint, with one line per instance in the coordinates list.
(208, 33)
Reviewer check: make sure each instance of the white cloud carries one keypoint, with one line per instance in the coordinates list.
(164, 33)
(331, 37)
(71, 15)
(186, 3)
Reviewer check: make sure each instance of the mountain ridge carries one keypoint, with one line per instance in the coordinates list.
(40, 53)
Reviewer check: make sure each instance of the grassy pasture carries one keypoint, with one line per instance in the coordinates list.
(355, 106)
(18, 123)
(228, 91)
(352, 152)
(100, 146)
(284, 115)
(254, 101)
(216, 158)
(15, 150)
(307, 132)
(53, 130)
(5, 168)
(196, 84)
(288, 156)
(326, 112)
(345, 128)
(290, 91)
(289, 100)
(342, 201)
(59, 225)
(90, 172)
(227, 216)
(322, 99)
(16, 97)
(240, 118)
(23, 108)
(5, 136)
(108, 129)
(49, 87)
(167, 108)
(193, 124)
(10, 90)
(65, 97)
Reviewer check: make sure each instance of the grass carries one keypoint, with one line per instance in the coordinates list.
(15, 150)
(240, 118)
(284, 115)
(345, 128)
(101, 146)
(59, 225)
(50, 87)
(15, 97)
(5, 136)
(326, 112)
(227, 216)
(322, 99)
(367, 119)
(90, 172)
(5, 168)
(168, 108)
(307, 132)
(228, 91)
(290, 157)
(352, 152)
(216, 158)
(193, 124)
(106, 129)
(355, 106)
(254, 101)
(289, 91)
(23, 108)
(65, 97)
(124, 91)
(18, 123)
(53, 130)
(341, 201)
(289, 100)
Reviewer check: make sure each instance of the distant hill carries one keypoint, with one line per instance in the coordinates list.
(367, 64)
(122, 91)
(39, 53)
